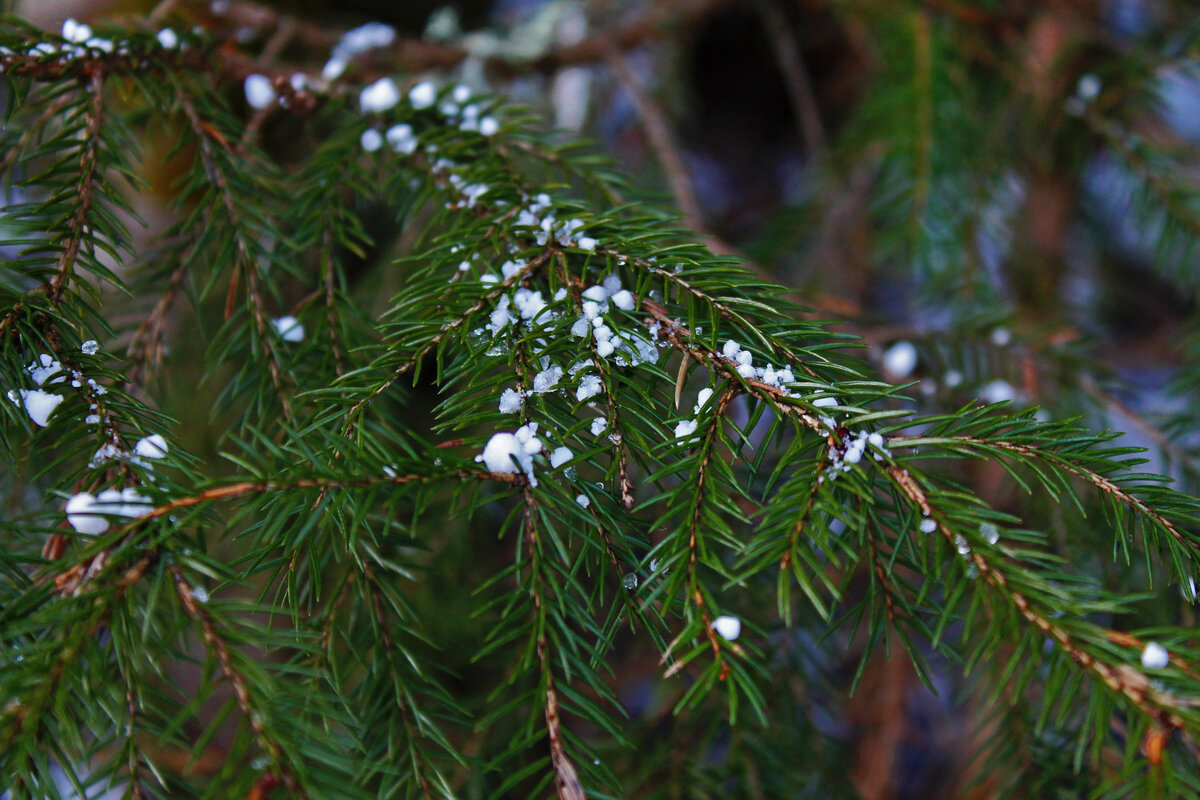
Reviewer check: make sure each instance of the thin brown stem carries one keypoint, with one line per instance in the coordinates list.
(1122, 679)
(220, 650)
(799, 86)
(84, 188)
(658, 132)
(246, 261)
(566, 778)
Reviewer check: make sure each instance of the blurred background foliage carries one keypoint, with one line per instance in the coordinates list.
(1009, 186)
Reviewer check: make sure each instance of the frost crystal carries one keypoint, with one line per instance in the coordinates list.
(598, 426)
(989, 532)
(152, 446)
(364, 38)
(731, 349)
(596, 294)
(289, 329)
(200, 594)
(1155, 656)
(106, 453)
(1001, 336)
(1088, 87)
(488, 126)
(900, 359)
(510, 402)
(928, 525)
(333, 69)
(728, 627)
(167, 38)
(702, 398)
(499, 452)
(583, 500)
(379, 96)
(260, 93)
(90, 347)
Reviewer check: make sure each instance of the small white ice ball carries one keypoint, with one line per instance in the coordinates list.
(289, 329)
(900, 359)
(260, 93)
(422, 95)
(152, 446)
(371, 140)
(1155, 656)
(499, 451)
(83, 516)
(728, 627)
(379, 96)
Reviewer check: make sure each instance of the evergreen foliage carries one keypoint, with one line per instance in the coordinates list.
(484, 421)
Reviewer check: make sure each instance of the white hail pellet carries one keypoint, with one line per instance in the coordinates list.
(728, 627)
(900, 359)
(1155, 656)
(379, 96)
(422, 95)
(260, 93)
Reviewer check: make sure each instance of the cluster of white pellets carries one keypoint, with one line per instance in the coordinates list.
(601, 309)
(742, 362)
(515, 452)
(852, 448)
(79, 41)
(91, 515)
(455, 108)
(47, 374)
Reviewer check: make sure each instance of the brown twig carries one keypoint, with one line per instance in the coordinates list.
(146, 345)
(1123, 679)
(217, 646)
(565, 776)
(799, 86)
(84, 189)
(414, 55)
(1099, 481)
(258, 487)
(658, 132)
(206, 134)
